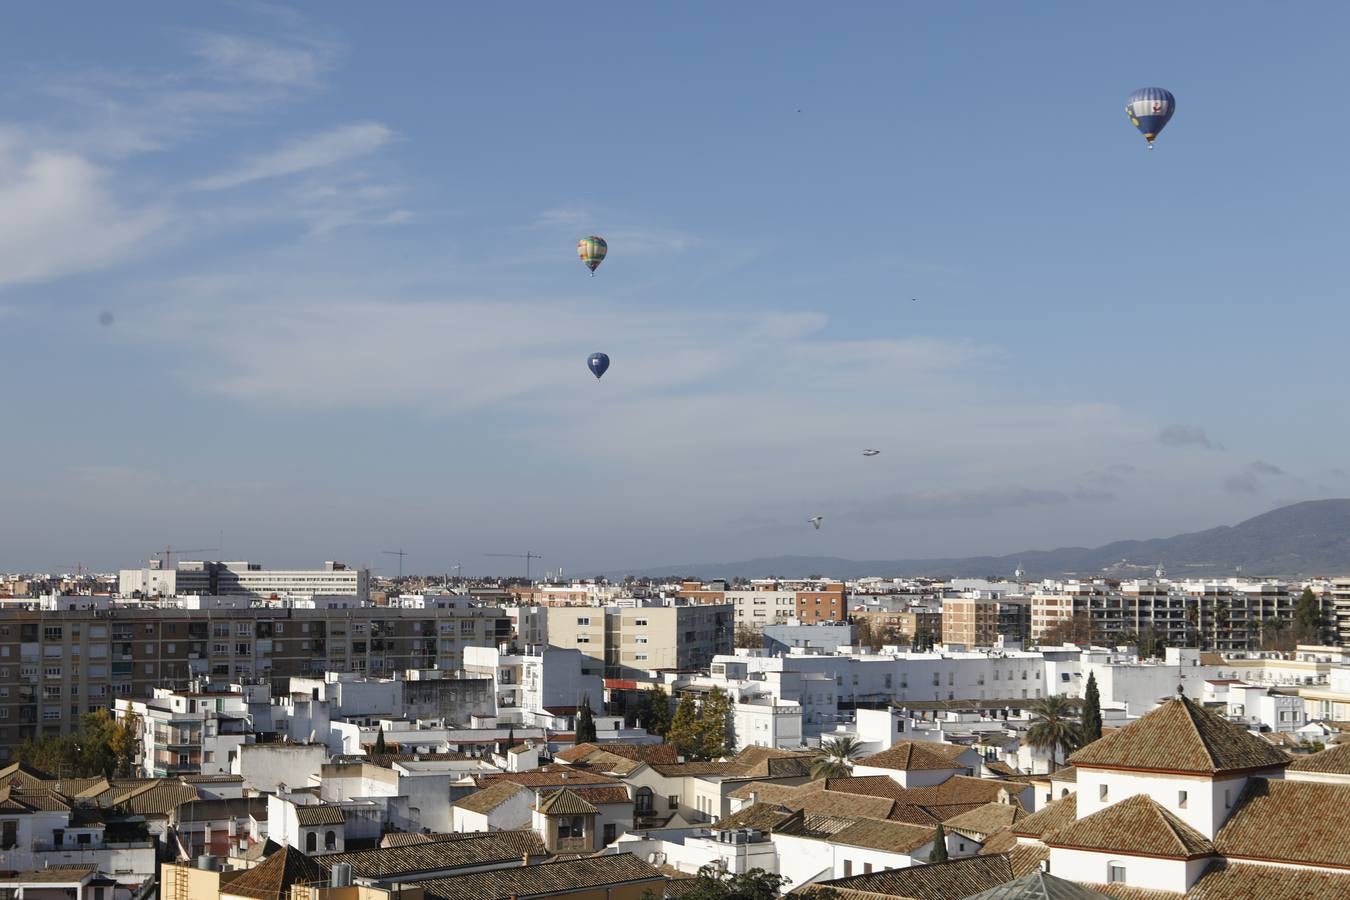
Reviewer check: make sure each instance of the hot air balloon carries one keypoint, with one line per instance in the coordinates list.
(1150, 109)
(592, 251)
(598, 364)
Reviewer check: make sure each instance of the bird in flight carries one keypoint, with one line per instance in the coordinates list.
(815, 521)
(870, 452)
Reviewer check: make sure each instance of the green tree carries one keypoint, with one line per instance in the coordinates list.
(107, 746)
(862, 633)
(939, 852)
(685, 731)
(1308, 616)
(714, 884)
(1091, 728)
(379, 741)
(713, 724)
(836, 758)
(585, 722)
(1052, 727)
(655, 713)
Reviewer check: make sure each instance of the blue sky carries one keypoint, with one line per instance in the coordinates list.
(337, 246)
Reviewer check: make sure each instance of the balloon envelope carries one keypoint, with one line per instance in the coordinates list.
(592, 251)
(1150, 109)
(598, 364)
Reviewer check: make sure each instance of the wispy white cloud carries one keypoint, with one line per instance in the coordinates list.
(316, 151)
(237, 57)
(58, 215)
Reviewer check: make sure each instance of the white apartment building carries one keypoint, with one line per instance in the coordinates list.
(246, 579)
(761, 607)
(538, 681)
(193, 732)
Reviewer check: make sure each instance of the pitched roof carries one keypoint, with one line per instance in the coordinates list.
(596, 795)
(319, 814)
(759, 816)
(274, 876)
(459, 851)
(1181, 736)
(565, 802)
(985, 820)
(1050, 818)
(696, 769)
(546, 776)
(24, 774)
(770, 762)
(867, 786)
(999, 842)
(1039, 886)
(489, 798)
(1335, 760)
(156, 799)
(1237, 881)
(407, 838)
(546, 878)
(1289, 821)
(1137, 825)
(914, 756)
(648, 753)
(953, 880)
(892, 837)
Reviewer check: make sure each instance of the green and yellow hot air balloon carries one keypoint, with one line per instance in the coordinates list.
(592, 251)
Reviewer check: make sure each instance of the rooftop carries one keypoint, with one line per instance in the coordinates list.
(1137, 825)
(911, 756)
(1335, 760)
(1181, 737)
(567, 876)
(274, 876)
(1289, 822)
(458, 851)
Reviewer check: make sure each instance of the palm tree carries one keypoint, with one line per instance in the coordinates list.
(1052, 727)
(835, 759)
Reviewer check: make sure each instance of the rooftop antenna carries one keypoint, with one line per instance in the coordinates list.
(1161, 571)
(1019, 571)
(400, 554)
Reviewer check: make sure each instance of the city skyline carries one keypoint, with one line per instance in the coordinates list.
(305, 286)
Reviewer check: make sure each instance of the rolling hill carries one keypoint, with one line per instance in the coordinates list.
(1303, 539)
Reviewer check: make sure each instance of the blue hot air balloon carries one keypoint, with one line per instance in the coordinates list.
(1150, 109)
(598, 364)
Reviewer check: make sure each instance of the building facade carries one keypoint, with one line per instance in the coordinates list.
(56, 666)
(632, 641)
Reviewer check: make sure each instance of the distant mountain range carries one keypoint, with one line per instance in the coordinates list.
(1304, 539)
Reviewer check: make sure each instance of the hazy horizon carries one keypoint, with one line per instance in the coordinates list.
(303, 285)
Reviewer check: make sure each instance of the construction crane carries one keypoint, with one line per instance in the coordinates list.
(167, 555)
(400, 554)
(525, 556)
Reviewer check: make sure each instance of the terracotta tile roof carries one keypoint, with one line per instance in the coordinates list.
(1240, 881)
(547, 776)
(1126, 892)
(960, 789)
(489, 798)
(999, 767)
(463, 850)
(1039, 886)
(1068, 773)
(14, 799)
(999, 842)
(954, 880)
(565, 802)
(1181, 736)
(664, 754)
(1137, 825)
(696, 769)
(274, 876)
(867, 786)
(319, 814)
(598, 796)
(1289, 821)
(1026, 858)
(154, 799)
(51, 875)
(569, 876)
(409, 838)
(24, 775)
(1050, 818)
(761, 816)
(1335, 760)
(985, 820)
(892, 837)
(914, 756)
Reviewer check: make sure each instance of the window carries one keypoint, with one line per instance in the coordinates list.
(642, 801)
(1101, 792)
(848, 867)
(311, 842)
(583, 639)
(1228, 798)
(1181, 799)
(672, 802)
(52, 633)
(867, 868)
(241, 649)
(638, 622)
(583, 620)
(149, 648)
(641, 639)
(1115, 873)
(330, 840)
